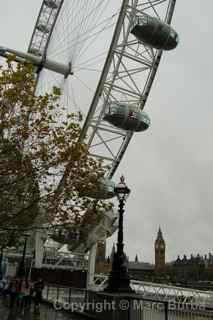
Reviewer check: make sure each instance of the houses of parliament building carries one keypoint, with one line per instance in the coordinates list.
(195, 270)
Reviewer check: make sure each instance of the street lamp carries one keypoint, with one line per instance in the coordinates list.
(119, 280)
(21, 268)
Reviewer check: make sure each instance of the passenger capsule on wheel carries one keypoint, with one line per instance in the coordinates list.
(43, 28)
(35, 51)
(51, 4)
(127, 117)
(154, 32)
(105, 190)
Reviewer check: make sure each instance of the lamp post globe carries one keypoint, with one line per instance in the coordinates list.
(121, 190)
(119, 280)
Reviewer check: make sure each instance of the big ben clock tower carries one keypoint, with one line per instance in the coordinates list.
(160, 249)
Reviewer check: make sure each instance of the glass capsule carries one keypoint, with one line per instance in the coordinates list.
(155, 33)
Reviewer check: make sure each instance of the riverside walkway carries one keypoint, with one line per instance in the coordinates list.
(46, 313)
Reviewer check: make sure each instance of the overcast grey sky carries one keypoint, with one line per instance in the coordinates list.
(169, 167)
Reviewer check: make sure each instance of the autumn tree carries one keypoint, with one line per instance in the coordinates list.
(45, 171)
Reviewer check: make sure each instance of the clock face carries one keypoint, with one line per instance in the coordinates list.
(159, 246)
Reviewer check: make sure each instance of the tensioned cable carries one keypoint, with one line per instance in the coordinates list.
(85, 85)
(60, 21)
(82, 39)
(83, 22)
(92, 37)
(94, 19)
(71, 31)
(94, 58)
(67, 93)
(73, 15)
(58, 81)
(78, 39)
(84, 43)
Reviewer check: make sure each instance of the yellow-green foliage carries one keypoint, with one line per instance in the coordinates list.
(43, 167)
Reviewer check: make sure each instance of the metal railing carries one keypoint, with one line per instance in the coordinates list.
(159, 291)
(64, 295)
(104, 305)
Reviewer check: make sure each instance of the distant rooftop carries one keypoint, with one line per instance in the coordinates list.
(140, 265)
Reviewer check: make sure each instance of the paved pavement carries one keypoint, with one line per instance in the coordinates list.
(46, 313)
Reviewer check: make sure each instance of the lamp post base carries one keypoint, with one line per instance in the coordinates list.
(119, 280)
(21, 270)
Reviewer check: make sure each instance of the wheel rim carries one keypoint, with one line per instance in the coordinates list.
(81, 92)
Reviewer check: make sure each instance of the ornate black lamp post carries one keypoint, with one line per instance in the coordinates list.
(21, 268)
(119, 280)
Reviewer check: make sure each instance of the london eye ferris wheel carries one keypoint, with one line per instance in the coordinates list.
(104, 55)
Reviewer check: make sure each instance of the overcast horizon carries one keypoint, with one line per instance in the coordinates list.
(168, 167)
